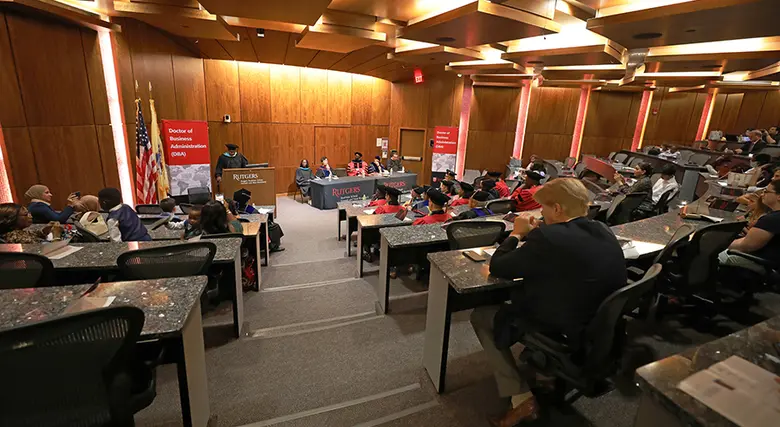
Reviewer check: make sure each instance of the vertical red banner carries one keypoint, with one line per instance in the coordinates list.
(186, 146)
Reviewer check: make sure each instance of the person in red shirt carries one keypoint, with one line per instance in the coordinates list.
(357, 166)
(437, 202)
(524, 195)
(466, 191)
(501, 187)
(380, 197)
(392, 205)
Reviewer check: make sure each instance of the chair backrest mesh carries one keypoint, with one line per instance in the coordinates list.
(620, 157)
(701, 257)
(148, 209)
(501, 206)
(70, 371)
(680, 238)
(593, 211)
(601, 341)
(198, 195)
(186, 259)
(186, 207)
(663, 202)
(622, 212)
(473, 234)
(22, 270)
(685, 155)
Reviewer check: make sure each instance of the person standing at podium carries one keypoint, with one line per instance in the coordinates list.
(231, 159)
(357, 166)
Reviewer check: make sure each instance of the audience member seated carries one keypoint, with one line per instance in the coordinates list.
(756, 208)
(380, 196)
(642, 174)
(754, 145)
(123, 222)
(466, 190)
(214, 219)
(190, 226)
(86, 204)
(761, 168)
(394, 165)
(670, 152)
(40, 205)
(501, 188)
(448, 187)
(772, 136)
(302, 177)
(654, 151)
(323, 171)
(489, 186)
(14, 220)
(477, 204)
(168, 207)
(665, 183)
(450, 176)
(376, 167)
(437, 201)
(763, 239)
(532, 160)
(569, 265)
(357, 166)
(419, 198)
(524, 195)
(392, 205)
(243, 200)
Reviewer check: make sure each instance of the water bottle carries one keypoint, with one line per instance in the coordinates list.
(364, 197)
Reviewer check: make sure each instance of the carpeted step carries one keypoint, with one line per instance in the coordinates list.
(308, 272)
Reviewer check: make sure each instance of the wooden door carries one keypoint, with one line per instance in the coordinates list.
(334, 143)
(412, 151)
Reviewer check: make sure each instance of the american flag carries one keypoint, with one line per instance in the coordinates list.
(145, 163)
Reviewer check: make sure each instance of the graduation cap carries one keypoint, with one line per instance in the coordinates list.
(381, 189)
(535, 175)
(488, 184)
(448, 183)
(392, 191)
(494, 174)
(438, 197)
(481, 196)
(450, 172)
(466, 187)
(420, 189)
(231, 146)
(358, 153)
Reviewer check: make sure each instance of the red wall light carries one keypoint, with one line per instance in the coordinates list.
(418, 76)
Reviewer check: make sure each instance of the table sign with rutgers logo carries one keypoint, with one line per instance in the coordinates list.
(187, 154)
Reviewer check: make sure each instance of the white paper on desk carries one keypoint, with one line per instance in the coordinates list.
(637, 249)
(490, 251)
(369, 211)
(408, 219)
(262, 210)
(737, 389)
(63, 252)
(714, 219)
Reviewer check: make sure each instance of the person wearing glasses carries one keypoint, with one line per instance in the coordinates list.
(763, 239)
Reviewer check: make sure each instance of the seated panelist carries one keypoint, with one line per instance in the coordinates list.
(324, 171)
(376, 167)
(357, 166)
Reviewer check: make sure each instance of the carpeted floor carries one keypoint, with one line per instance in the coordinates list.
(316, 354)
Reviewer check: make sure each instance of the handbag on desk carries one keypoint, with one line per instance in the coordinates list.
(94, 223)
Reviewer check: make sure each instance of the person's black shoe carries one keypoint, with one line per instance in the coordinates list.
(277, 249)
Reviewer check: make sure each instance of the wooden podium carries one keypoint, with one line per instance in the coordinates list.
(260, 181)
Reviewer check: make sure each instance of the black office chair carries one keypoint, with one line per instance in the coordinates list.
(593, 211)
(588, 366)
(622, 207)
(198, 195)
(635, 161)
(662, 206)
(620, 157)
(611, 155)
(692, 276)
(148, 209)
(501, 206)
(474, 234)
(749, 281)
(23, 270)
(180, 260)
(339, 172)
(185, 207)
(73, 370)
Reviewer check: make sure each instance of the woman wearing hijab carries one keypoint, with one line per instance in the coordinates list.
(14, 219)
(302, 177)
(40, 205)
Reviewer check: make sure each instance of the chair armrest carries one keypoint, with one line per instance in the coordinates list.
(635, 273)
(758, 260)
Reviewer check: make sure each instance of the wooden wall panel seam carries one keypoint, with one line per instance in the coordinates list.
(16, 71)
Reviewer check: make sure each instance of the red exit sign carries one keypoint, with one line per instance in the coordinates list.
(418, 76)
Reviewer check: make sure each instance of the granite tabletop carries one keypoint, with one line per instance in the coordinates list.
(103, 255)
(465, 275)
(660, 229)
(660, 379)
(166, 303)
(383, 220)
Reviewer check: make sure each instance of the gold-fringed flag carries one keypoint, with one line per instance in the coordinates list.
(145, 162)
(163, 184)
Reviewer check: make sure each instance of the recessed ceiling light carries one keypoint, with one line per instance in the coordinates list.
(647, 36)
(445, 39)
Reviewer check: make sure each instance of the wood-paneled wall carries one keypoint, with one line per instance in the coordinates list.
(734, 113)
(674, 118)
(54, 109)
(492, 125)
(610, 122)
(551, 116)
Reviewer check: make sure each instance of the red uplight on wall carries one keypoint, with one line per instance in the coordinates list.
(418, 77)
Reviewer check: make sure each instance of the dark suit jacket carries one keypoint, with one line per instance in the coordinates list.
(749, 147)
(568, 270)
